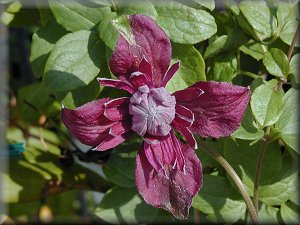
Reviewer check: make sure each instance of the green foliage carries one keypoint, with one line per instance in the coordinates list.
(63, 71)
(184, 24)
(124, 206)
(267, 104)
(276, 62)
(219, 200)
(192, 67)
(75, 15)
(288, 122)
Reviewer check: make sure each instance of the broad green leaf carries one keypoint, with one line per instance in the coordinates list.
(73, 15)
(79, 96)
(74, 62)
(253, 49)
(124, 206)
(218, 199)
(216, 46)
(287, 14)
(248, 129)
(43, 42)
(119, 169)
(276, 62)
(294, 68)
(289, 213)
(267, 104)
(224, 67)
(242, 157)
(184, 24)
(144, 7)
(109, 38)
(288, 122)
(192, 67)
(268, 214)
(210, 4)
(278, 173)
(261, 18)
(35, 101)
(282, 185)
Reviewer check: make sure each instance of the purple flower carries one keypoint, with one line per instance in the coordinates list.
(168, 173)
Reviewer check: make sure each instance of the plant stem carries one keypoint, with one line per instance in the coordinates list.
(291, 49)
(259, 162)
(214, 154)
(249, 74)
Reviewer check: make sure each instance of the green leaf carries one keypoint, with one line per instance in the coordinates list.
(74, 15)
(224, 67)
(218, 199)
(242, 157)
(109, 38)
(276, 62)
(79, 96)
(74, 62)
(124, 206)
(289, 213)
(34, 101)
(248, 129)
(119, 169)
(260, 17)
(287, 13)
(192, 67)
(283, 183)
(294, 68)
(253, 49)
(278, 173)
(144, 7)
(43, 42)
(268, 214)
(288, 122)
(210, 4)
(184, 24)
(216, 46)
(267, 104)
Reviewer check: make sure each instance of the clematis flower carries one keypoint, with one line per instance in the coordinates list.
(168, 173)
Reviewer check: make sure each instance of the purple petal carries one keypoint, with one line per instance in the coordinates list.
(186, 133)
(152, 45)
(87, 122)
(218, 107)
(137, 80)
(173, 69)
(117, 109)
(122, 63)
(117, 134)
(122, 85)
(91, 126)
(174, 192)
(184, 116)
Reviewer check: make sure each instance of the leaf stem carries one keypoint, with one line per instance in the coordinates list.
(259, 162)
(291, 49)
(214, 154)
(249, 74)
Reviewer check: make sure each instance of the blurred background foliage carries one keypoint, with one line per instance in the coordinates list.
(54, 178)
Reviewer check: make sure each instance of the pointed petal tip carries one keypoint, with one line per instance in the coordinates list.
(62, 106)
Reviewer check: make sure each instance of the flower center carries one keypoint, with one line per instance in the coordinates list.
(152, 111)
